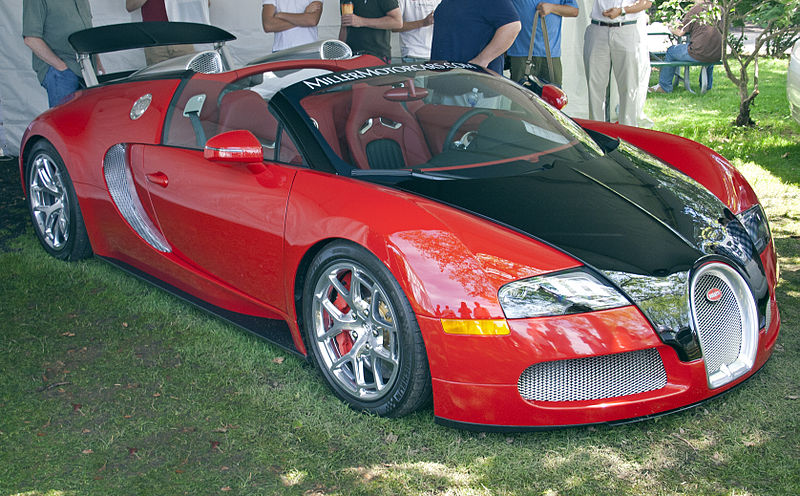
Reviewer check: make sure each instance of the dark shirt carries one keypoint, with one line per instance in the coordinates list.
(463, 28)
(53, 21)
(705, 43)
(154, 10)
(369, 40)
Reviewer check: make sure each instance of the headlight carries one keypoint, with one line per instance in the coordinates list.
(755, 221)
(565, 293)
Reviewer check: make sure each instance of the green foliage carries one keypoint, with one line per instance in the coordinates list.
(778, 20)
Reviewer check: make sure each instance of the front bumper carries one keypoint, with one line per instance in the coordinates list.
(475, 378)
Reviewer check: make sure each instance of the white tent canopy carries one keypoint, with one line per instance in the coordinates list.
(22, 98)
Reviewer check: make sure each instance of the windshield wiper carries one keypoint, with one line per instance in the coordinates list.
(434, 176)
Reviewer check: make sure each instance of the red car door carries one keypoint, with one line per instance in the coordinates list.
(225, 219)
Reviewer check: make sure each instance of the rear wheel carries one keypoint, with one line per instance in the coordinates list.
(53, 205)
(362, 333)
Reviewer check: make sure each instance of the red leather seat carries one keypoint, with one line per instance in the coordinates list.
(245, 109)
(382, 134)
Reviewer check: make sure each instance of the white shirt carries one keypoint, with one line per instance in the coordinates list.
(187, 11)
(297, 35)
(417, 42)
(601, 6)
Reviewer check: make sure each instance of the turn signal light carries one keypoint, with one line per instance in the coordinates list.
(476, 327)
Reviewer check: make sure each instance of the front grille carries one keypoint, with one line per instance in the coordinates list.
(594, 378)
(725, 318)
(120, 185)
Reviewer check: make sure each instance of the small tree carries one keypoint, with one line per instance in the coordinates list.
(779, 22)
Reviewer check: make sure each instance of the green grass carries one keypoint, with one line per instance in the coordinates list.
(109, 386)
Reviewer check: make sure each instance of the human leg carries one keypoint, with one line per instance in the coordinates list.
(597, 62)
(59, 85)
(675, 53)
(624, 43)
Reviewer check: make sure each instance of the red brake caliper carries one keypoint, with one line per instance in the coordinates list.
(344, 340)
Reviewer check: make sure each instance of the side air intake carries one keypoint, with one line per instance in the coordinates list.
(209, 62)
(120, 185)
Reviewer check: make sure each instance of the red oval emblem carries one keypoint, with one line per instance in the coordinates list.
(714, 295)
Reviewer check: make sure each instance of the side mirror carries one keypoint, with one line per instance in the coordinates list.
(238, 146)
(550, 93)
(554, 95)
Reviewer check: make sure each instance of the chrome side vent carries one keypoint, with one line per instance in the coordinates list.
(594, 378)
(725, 318)
(209, 62)
(120, 185)
(335, 50)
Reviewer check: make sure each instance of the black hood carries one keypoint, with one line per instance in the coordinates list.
(622, 212)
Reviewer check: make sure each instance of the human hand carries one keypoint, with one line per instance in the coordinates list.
(613, 12)
(428, 20)
(352, 20)
(545, 8)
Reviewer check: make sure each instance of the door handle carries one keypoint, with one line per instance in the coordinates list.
(158, 178)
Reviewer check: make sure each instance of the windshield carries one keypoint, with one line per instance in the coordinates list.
(439, 121)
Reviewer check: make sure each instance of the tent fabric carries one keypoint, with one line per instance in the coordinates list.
(22, 98)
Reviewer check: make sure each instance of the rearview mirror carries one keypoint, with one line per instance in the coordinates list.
(405, 94)
(238, 146)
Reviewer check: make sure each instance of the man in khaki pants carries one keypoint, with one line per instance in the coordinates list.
(611, 43)
(156, 10)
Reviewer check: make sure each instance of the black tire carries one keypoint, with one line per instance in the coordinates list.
(53, 205)
(386, 349)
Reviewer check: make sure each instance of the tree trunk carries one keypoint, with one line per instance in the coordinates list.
(743, 119)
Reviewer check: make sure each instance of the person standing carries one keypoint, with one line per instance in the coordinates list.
(705, 45)
(46, 25)
(552, 12)
(612, 42)
(472, 31)
(294, 22)
(156, 11)
(368, 28)
(416, 34)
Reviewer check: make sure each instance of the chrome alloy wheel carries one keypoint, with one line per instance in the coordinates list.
(355, 331)
(49, 201)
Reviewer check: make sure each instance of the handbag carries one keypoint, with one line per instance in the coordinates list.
(529, 61)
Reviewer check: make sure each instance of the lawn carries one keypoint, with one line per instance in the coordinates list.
(112, 387)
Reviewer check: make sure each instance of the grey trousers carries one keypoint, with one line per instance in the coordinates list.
(606, 49)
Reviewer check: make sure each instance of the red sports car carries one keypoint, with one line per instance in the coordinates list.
(420, 231)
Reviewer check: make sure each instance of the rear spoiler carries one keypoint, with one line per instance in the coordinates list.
(127, 36)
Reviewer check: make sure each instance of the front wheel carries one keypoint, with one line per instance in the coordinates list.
(53, 205)
(362, 333)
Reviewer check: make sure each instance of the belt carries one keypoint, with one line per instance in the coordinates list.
(612, 24)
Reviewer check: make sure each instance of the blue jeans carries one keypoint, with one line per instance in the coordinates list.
(679, 53)
(413, 60)
(59, 85)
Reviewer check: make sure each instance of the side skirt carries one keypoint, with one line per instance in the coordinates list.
(273, 330)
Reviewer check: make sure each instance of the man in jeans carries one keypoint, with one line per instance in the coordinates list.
(705, 45)
(46, 24)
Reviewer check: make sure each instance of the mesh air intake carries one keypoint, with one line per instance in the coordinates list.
(594, 378)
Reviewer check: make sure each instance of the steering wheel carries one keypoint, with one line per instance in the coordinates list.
(469, 114)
